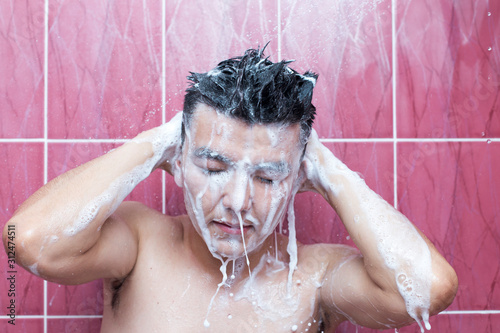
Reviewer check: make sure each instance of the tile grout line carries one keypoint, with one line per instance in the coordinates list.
(163, 93)
(417, 140)
(331, 140)
(45, 131)
(33, 317)
(465, 312)
(279, 29)
(394, 105)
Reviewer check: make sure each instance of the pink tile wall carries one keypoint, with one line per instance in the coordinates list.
(106, 57)
(21, 68)
(462, 189)
(349, 44)
(22, 174)
(448, 69)
(413, 106)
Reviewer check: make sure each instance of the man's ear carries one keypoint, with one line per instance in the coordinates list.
(177, 173)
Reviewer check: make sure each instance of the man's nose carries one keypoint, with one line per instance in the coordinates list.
(238, 193)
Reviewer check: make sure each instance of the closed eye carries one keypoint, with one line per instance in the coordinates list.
(212, 172)
(265, 180)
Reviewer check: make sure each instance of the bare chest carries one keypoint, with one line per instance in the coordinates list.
(163, 296)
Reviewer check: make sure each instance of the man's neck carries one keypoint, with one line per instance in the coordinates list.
(273, 247)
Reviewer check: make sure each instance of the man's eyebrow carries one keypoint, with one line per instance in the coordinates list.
(277, 167)
(205, 152)
(274, 167)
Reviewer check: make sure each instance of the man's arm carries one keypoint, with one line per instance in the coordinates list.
(67, 230)
(399, 275)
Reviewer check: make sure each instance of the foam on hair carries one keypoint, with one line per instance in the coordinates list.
(254, 89)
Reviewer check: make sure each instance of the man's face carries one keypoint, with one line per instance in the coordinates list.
(237, 179)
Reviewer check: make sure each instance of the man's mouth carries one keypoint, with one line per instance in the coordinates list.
(232, 229)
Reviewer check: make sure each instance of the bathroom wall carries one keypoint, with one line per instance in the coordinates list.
(408, 95)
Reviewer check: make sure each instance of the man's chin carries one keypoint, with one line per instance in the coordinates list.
(230, 249)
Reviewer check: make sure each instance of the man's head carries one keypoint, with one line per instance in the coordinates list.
(255, 90)
(246, 125)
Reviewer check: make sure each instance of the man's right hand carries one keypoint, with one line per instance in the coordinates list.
(171, 133)
(166, 141)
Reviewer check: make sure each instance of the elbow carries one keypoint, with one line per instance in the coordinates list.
(22, 245)
(444, 290)
(9, 237)
(38, 253)
(13, 240)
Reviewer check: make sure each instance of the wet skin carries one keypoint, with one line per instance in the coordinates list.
(175, 277)
(230, 171)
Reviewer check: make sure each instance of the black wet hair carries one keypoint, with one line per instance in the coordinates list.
(255, 90)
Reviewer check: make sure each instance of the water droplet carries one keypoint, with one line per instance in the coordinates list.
(489, 48)
(489, 13)
(229, 316)
(488, 141)
(483, 134)
(294, 328)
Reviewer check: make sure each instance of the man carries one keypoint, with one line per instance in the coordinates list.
(241, 150)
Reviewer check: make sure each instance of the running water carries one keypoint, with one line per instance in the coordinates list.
(292, 243)
(223, 269)
(244, 245)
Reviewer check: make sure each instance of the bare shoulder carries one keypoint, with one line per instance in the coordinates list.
(322, 256)
(149, 230)
(148, 222)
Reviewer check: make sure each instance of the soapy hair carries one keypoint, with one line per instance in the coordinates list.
(255, 90)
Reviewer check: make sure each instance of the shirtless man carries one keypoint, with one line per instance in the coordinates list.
(241, 150)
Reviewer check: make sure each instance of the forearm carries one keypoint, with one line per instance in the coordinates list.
(397, 257)
(364, 213)
(390, 244)
(64, 218)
